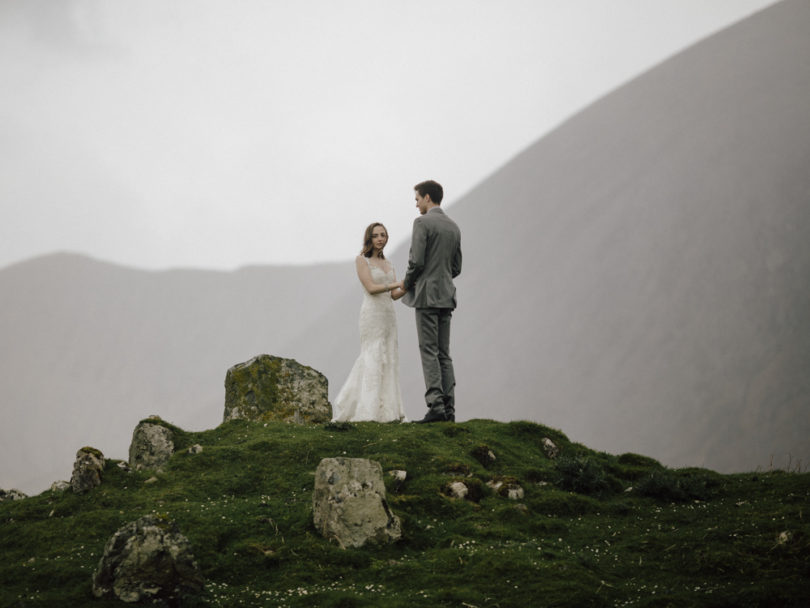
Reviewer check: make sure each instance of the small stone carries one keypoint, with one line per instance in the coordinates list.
(151, 480)
(514, 493)
(60, 486)
(484, 455)
(399, 479)
(550, 448)
(458, 489)
(508, 487)
(195, 449)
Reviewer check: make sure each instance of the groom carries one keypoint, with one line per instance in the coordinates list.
(434, 261)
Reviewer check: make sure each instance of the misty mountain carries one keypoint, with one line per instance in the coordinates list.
(637, 278)
(640, 277)
(90, 348)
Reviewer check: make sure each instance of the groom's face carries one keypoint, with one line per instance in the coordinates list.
(422, 202)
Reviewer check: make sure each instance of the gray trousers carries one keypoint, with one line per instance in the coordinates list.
(433, 329)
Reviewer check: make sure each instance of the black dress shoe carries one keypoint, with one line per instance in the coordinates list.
(433, 416)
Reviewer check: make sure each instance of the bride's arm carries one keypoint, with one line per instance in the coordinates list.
(399, 289)
(364, 274)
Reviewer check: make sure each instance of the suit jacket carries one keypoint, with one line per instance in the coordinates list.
(433, 262)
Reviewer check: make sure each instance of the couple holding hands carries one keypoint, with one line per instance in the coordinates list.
(372, 390)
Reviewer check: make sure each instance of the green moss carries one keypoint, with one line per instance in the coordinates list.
(637, 460)
(93, 451)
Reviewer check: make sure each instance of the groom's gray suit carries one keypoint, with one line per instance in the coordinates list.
(434, 261)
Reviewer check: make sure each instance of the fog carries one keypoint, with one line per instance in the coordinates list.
(213, 134)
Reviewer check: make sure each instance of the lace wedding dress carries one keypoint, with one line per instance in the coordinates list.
(371, 391)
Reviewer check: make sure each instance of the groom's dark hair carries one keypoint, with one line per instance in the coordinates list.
(434, 189)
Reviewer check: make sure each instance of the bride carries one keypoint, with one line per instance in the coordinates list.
(371, 392)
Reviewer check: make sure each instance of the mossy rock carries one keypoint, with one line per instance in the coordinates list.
(272, 388)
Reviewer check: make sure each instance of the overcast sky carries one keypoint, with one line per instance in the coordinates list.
(220, 133)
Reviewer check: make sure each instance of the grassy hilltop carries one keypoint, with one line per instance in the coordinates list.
(593, 529)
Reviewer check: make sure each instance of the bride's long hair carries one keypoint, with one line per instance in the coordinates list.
(368, 247)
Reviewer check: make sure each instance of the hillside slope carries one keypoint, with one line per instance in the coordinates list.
(590, 530)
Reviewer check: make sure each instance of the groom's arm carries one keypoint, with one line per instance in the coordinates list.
(456, 267)
(416, 257)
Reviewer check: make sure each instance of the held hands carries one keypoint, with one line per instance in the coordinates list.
(397, 290)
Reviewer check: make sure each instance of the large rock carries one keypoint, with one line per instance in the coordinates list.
(349, 505)
(152, 446)
(87, 470)
(145, 560)
(272, 388)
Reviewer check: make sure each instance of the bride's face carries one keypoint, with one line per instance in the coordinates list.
(379, 238)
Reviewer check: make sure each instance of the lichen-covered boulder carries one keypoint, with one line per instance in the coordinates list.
(87, 470)
(151, 447)
(272, 388)
(145, 560)
(348, 503)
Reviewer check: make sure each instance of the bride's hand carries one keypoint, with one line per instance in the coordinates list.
(397, 292)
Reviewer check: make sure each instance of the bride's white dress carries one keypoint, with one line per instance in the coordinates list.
(371, 392)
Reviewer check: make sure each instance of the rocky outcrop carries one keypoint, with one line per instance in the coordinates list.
(349, 505)
(87, 470)
(273, 388)
(152, 446)
(147, 560)
(11, 495)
